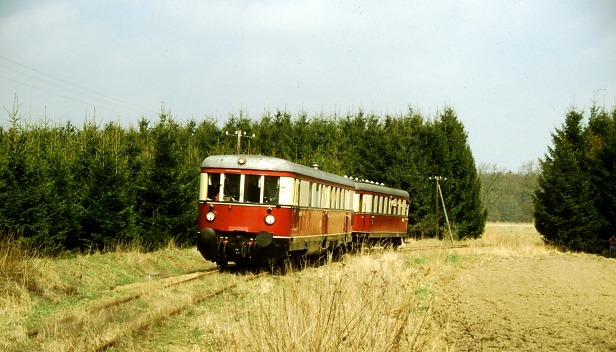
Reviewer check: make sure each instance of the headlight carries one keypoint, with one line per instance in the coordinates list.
(210, 216)
(269, 219)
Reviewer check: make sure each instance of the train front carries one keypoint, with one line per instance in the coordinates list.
(242, 218)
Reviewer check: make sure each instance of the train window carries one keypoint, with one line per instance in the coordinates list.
(336, 198)
(203, 186)
(348, 196)
(357, 201)
(286, 193)
(252, 188)
(304, 193)
(213, 186)
(387, 209)
(271, 190)
(366, 203)
(231, 190)
(325, 193)
(316, 195)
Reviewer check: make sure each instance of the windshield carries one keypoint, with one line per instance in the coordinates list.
(243, 188)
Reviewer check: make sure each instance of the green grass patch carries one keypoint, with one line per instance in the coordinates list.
(415, 261)
(453, 259)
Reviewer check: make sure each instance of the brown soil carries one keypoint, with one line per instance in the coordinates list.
(555, 302)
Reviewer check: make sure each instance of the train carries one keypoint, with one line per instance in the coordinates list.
(258, 210)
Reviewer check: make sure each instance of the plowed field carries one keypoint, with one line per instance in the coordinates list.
(549, 302)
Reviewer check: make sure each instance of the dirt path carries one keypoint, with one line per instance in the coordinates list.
(556, 302)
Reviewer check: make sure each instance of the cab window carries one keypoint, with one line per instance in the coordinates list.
(271, 190)
(213, 186)
(252, 188)
(232, 188)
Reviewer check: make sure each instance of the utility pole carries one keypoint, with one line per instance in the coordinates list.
(439, 193)
(436, 179)
(238, 147)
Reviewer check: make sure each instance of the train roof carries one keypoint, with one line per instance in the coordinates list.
(376, 188)
(260, 162)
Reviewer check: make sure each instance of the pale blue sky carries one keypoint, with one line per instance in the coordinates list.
(510, 69)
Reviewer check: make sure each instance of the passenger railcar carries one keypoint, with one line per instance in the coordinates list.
(380, 214)
(260, 210)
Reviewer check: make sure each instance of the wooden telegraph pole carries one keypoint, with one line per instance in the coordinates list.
(439, 194)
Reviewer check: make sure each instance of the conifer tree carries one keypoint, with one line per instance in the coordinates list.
(166, 199)
(462, 190)
(352, 139)
(602, 154)
(19, 181)
(565, 213)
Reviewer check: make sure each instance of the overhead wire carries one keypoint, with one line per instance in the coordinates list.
(103, 100)
(60, 95)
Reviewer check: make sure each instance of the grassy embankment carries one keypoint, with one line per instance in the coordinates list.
(377, 301)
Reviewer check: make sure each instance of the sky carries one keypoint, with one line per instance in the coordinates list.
(510, 69)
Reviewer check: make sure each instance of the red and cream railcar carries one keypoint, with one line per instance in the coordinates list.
(258, 210)
(380, 214)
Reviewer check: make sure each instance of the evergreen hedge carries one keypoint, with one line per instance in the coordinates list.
(64, 188)
(575, 199)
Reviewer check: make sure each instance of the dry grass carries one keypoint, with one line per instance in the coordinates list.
(513, 239)
(376, 302)
(38, 293)
(15, 285)
(499, 238)
(380, 301)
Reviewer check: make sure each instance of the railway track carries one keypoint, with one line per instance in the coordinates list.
(144, 323)
(129, 309)
(133, 291)
(437, 247)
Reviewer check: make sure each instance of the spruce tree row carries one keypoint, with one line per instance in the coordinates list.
(575, 200)
(69, 188)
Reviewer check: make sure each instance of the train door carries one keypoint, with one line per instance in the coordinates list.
(366, 204)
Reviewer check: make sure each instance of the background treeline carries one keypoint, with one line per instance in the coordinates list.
(94, 186)
(508, 195)
(575, 201)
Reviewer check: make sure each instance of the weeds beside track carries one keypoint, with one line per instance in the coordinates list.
(439, 247)
(129, 309)
(149, 320)
(132, 291)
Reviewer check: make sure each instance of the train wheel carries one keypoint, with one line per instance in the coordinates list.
(280, 266)
(300, 260)
(222, 264)
(397, 242)
(324, 257)
(338, 253)
(284, 265)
